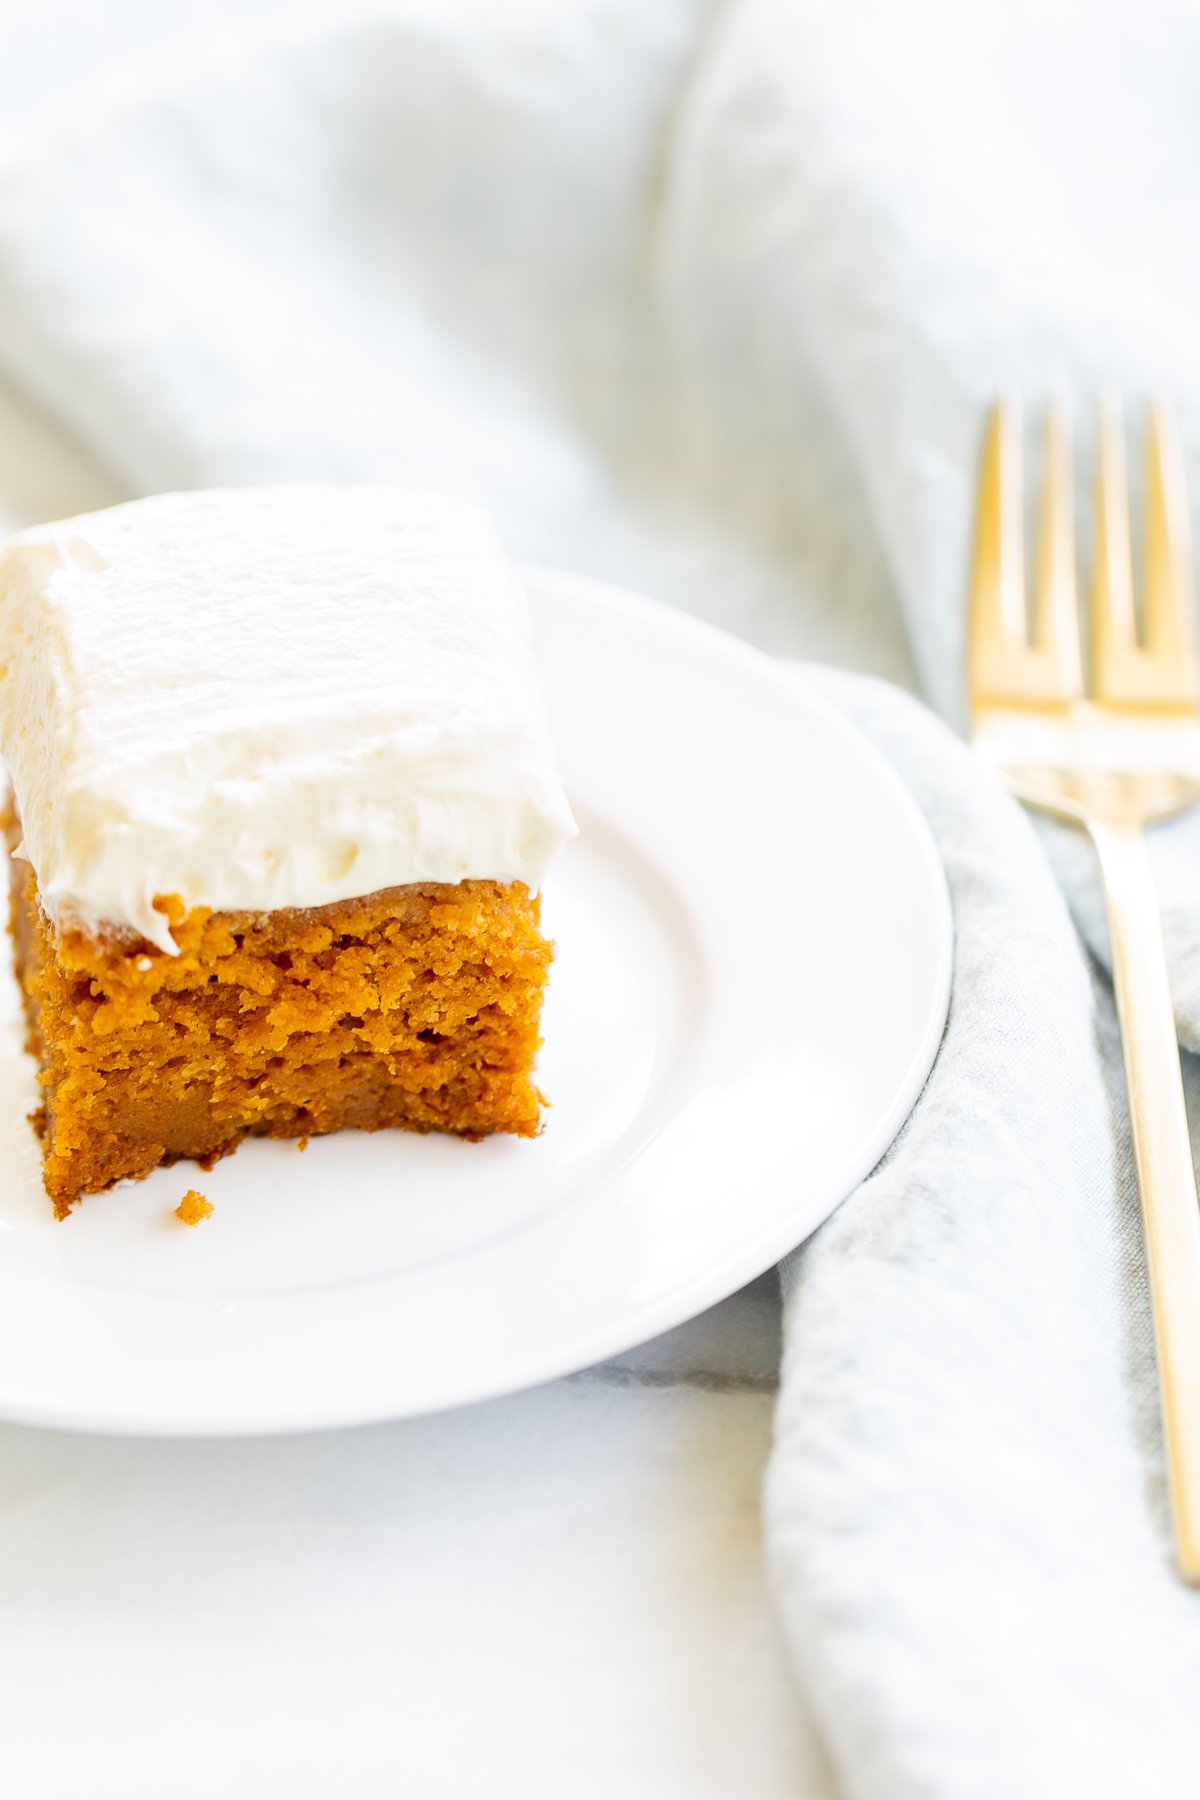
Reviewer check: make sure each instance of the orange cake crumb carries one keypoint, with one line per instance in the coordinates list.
(194, 1207)
(415, 1006)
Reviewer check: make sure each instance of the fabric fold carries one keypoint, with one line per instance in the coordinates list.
(966, 1507)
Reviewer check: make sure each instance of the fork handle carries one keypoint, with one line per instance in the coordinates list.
(1163, 1155)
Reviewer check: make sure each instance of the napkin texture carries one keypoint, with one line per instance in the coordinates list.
(967, 1511)
(710, 298)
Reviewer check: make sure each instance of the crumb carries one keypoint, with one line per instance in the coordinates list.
(414, 1007)
(193, 1207)
(303, 1144)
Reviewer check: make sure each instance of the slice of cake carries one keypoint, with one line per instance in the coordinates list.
(283, 798)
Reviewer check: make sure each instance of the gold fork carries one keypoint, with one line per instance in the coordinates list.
(1113, 762)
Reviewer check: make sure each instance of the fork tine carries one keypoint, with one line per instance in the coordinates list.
(1114, 622)
(997, 586)
(1163, 673)
(1170, 622)
(1056, 601)
(996, 625)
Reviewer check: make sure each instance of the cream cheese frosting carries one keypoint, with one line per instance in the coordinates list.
(267, 697)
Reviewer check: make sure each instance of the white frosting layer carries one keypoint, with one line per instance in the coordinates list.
(270, 697)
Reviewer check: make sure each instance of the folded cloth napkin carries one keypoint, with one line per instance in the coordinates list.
(967, 1512)
(710, 297)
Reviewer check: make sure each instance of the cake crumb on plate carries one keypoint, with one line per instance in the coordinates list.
(193, 1207)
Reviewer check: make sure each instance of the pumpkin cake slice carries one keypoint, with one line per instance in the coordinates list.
(283, 797)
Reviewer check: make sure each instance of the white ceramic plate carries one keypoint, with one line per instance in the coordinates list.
(753, 968)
